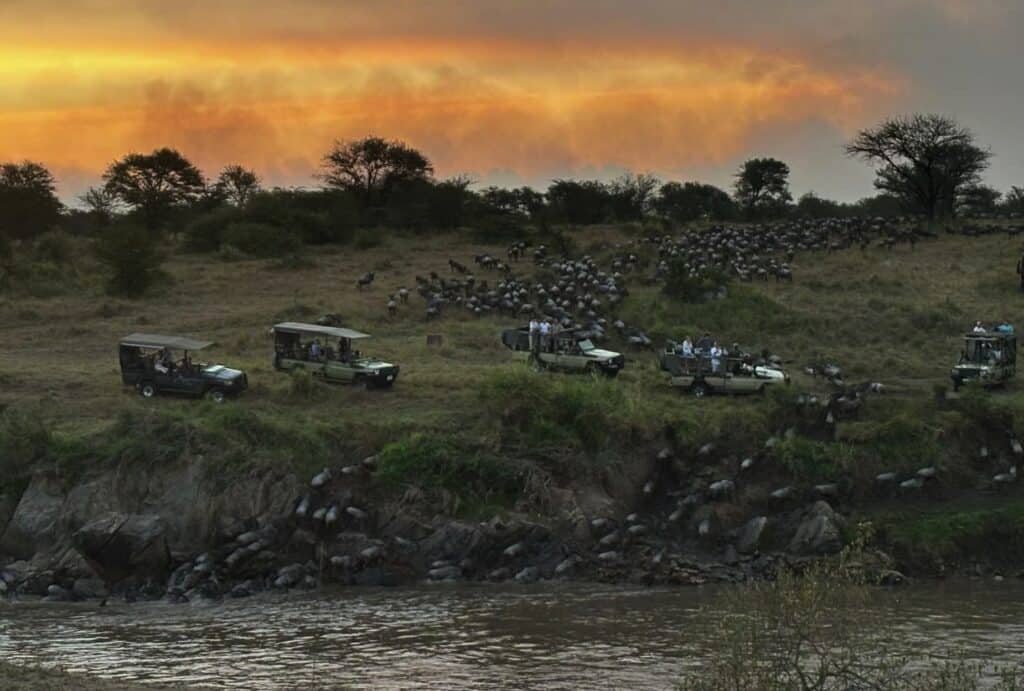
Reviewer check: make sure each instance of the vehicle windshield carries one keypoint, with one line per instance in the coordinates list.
(585, 345)
(982, 352)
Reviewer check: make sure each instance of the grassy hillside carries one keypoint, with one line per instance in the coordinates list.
(892, 316)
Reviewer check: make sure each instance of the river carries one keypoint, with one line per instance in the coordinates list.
(444, 637)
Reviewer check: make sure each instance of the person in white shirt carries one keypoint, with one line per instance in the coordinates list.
(978, 328)
(686, 350)
(716, 357)
(534, 335)
(545, 333)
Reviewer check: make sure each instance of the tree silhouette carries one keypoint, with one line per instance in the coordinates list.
(28, 200)
(154, 184)
(372, 167)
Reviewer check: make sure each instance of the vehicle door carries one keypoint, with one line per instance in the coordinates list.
(337, 371)
(187, 380)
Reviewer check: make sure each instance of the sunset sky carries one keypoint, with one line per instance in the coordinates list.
(508, 92)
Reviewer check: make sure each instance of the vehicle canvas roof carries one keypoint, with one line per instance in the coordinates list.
(317, 330)
(160, 341)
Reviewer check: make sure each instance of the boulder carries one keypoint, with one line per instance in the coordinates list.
(820, 533)
(119, 545)
(89, 589)
(749, 537)
(33, 526)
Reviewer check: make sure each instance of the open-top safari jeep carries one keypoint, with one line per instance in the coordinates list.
(988, 359)
(570, 351)
(735, 373)
(328, 352)
(150, 364)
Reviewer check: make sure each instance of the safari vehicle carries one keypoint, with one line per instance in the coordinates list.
(149, 364)
(570, 351)
(988, 359)
(340, 362)
(736, 374)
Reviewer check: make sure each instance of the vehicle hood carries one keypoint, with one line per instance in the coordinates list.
(769, 372)
(222, 373)
(602, 354)
(373, 364)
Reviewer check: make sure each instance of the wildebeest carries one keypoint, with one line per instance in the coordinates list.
(365, 280)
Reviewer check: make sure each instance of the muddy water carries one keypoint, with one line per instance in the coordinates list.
(538, 637)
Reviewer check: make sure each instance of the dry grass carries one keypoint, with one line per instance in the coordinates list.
(891, 316)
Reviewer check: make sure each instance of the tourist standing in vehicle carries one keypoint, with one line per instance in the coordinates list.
(704, 344)
(545, 334)
(979, 328)
(686, 349)
(534, 335)
(716, 357)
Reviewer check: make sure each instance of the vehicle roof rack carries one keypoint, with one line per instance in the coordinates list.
(160, 341)
(317, 330)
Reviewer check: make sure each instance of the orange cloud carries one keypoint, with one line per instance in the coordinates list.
(531, 107)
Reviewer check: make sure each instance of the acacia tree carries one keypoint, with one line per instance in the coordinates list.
(154, 184)
(926, 160)
(101, 204)
(691, 201)
(762, 187)
(1013, 202)
(373, 166)
(236, 185)
(28, 200)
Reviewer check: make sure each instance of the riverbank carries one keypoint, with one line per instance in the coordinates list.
(472, 468)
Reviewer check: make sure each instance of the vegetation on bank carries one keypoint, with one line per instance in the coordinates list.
(18, 678)
(822, 630)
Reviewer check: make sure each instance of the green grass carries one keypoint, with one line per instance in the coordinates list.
(992, 533)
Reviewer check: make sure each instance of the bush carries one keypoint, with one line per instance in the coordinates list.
(54, 246)
(130, 255)
(260, 239)
(368, 238)
(206, 233)
(683, 285)
(435, 462)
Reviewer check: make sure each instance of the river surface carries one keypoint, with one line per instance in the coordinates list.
(445, 637)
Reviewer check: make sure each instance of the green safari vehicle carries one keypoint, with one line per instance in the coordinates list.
(328, 352)
(148, 362)
(988, 359)
(736, 375)
(569, 350)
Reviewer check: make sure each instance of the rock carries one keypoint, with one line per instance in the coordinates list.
(818, 534)
(341, 561)
(33, 525)
(372, 552)
(55, 593)
(730, 556)
(121, 545)
(513, 551)
(721, 488)
(454, 540)
(89, 589)
(321, 479)
(749, 537)
(445, 573)
(566, 565)
(289, 576)
(783, 493)
(891, 577)
(530, 574)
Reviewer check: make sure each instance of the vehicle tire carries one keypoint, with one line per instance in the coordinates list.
(699, 389)
(610, 373)
(147, 390)
(215, 395)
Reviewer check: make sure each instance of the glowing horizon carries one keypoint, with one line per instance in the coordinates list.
(501, 103)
